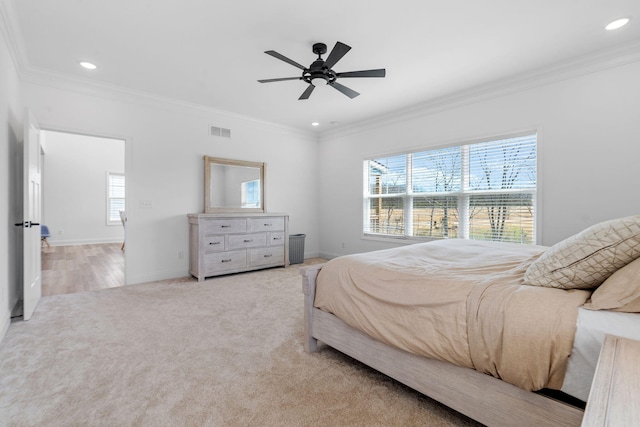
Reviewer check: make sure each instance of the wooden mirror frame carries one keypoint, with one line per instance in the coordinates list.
(208, 185)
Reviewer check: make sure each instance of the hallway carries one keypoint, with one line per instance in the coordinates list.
(81, 268)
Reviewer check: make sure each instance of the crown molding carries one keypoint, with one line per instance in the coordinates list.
(619, 56)
(12, 34)
(64, 82)
(572, 68)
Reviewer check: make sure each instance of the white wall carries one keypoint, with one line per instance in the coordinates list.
(588, 141)
(11, 116)
(165, 144)
(75, 187)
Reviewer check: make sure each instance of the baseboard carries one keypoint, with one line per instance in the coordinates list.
(167, 275)
(328, 255)
(5, 321)
(308, 255)
(133, 279)
(76, 242)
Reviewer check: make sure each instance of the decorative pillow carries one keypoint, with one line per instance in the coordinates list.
(585, 260)
(620, 292)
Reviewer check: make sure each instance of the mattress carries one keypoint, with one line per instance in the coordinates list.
(592, 326)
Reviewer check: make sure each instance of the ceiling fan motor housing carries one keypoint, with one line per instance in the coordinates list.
(316, 71)
(318, 74)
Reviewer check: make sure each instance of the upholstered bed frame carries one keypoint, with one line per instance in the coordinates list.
(479, 396)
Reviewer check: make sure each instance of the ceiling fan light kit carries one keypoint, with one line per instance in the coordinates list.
(320, 72)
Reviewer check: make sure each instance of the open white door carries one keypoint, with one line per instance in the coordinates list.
(32, 212)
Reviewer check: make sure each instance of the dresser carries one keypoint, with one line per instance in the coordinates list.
(232, 243)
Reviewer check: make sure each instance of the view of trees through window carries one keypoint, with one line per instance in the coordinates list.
(483, 191)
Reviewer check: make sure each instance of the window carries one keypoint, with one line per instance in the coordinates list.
(250, 194)
(115, 197)
(482, 191)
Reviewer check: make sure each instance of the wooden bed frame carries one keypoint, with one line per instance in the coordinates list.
(482, 397)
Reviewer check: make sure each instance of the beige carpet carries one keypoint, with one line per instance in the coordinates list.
(224, 352)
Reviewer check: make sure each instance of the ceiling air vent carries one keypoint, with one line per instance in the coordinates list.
(218, 131)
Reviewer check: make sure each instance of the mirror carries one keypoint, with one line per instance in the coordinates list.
(233, 185)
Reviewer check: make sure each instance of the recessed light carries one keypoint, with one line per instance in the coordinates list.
(618, 23)
(88, 65)
(315, 124)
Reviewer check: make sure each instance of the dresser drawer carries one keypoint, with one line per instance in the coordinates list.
(212, 243)
(223, 261)
(269, 223)
(247, 240)
(276, 238)
(231, 225)
(266, 256)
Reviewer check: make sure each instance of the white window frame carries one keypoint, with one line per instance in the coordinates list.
(109, 198)
(463, 196)
(243, 194)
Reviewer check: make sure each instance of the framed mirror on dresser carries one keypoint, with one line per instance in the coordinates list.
(233, 186)
(235, 233)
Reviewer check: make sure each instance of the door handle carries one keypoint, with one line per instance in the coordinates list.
(26, 224)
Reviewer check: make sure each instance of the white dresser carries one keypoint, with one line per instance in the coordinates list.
(232, 243)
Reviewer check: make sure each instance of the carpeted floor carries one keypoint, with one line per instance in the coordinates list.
(223, 352)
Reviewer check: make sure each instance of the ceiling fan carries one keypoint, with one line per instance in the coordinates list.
(320, 71)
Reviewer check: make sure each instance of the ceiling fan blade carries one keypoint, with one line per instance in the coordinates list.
(364, 73)
(307, 92)
(338, 51)
(284, 58)
(280, 79)
(349, 92)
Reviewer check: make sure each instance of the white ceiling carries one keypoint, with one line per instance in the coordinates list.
(211, 52)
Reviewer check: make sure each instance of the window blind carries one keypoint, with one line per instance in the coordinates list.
(115, 197)
(502, 184)
(483, 190)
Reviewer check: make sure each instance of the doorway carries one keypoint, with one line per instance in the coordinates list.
(83, 205)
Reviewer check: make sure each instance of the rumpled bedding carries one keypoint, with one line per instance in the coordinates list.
(460, 301)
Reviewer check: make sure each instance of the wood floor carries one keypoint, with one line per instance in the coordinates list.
(80, 268)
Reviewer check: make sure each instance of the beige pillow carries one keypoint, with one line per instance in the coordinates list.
(620, 292)
(585, 260)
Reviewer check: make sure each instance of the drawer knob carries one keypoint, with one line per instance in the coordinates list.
(268, 225)
(226, 260)
(225, 226)
(248, 240)
(268, 256)
(214, 243)
(277, 238)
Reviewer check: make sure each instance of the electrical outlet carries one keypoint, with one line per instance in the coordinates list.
(145, 204)
(180, 254)
(60, 232)
(342, 245)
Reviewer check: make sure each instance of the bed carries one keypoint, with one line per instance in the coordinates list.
(482, 327)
